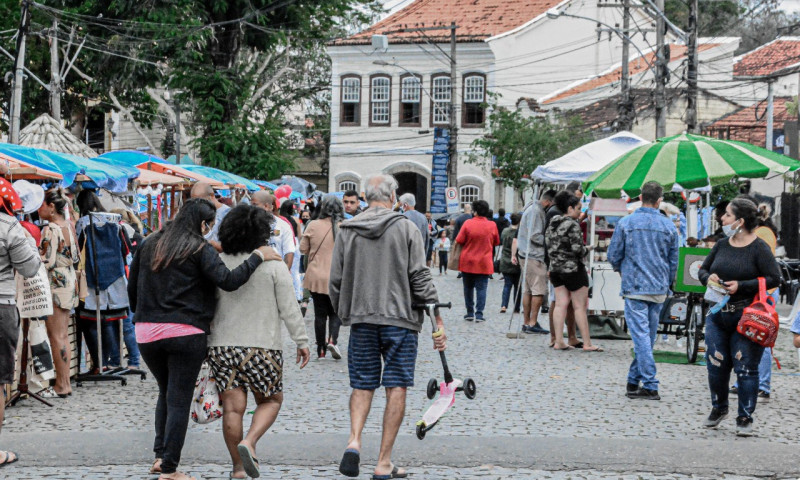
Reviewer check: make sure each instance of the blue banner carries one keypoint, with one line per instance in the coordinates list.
(441, 156)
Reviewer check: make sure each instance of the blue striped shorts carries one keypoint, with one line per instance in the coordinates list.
(371, 344)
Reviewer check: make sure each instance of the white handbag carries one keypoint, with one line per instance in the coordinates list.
(206, 405)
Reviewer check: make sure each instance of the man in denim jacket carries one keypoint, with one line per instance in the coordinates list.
(644, 249)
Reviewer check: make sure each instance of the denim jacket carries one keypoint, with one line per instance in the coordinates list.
(644, 249)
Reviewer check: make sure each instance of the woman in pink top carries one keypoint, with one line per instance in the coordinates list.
(478, 237)
(172, 288)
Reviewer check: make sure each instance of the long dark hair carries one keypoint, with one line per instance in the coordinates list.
(331, 207)
(183, 236)
(88, 202)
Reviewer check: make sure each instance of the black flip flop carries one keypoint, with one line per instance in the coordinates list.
(249, 462)
(395, 474)
(350, 460)
(8, 454)
(577, 345)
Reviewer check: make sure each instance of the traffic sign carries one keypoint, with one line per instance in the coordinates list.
(452, 200)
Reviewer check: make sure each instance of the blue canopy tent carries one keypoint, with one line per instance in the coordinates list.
(102, 175)
(223, 176)
(131, 158)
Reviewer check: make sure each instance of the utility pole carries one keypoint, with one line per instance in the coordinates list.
(691, 70)
(19, 64)
(625, 107)
(661, 72)
(770, 108)
(452, 179)
(177, 131)
(55, 82)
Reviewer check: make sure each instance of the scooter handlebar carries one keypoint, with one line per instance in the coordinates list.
(432, 305)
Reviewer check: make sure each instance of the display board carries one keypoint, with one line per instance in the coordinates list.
(689, 262)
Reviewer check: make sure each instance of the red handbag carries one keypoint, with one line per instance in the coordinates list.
(759, 321)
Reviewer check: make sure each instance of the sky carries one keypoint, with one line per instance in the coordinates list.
(791, 5)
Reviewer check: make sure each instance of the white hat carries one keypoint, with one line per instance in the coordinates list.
(31, 194)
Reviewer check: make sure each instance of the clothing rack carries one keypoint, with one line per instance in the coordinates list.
(101, 376)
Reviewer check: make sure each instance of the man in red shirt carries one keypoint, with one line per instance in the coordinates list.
(478, 238)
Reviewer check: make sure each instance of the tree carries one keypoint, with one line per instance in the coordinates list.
(236, 65)
(514, 145)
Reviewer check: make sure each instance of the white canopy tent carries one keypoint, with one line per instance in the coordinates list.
(584, 161)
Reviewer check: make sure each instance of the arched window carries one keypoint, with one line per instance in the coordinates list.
(351, 101)
(474, 100)
(468, 194)
(348, 185)
(410, 100)
(440, 99)
(380, 100)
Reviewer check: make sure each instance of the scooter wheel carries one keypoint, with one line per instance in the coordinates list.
(469, 388)
(433, 387)
(420, 432)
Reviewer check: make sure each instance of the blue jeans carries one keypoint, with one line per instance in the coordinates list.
(511, 281)
(129, 337)
(726, 349)
(642, 320)
(479, 283)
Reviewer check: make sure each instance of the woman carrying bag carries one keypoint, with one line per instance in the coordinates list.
(172, 287)
(734, 266)
(317, 245)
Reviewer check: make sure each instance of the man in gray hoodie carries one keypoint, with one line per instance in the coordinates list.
(378, 271)
(16, 253)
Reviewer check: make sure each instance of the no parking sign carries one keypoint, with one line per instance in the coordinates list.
(452, 200)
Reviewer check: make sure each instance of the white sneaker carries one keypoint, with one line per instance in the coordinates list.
(335, 353)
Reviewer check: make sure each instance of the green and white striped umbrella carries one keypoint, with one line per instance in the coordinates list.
(690, 161)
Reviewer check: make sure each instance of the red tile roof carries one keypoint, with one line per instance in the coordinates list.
(769, 59)
(743, 124)
(477, 20)
(635, 67)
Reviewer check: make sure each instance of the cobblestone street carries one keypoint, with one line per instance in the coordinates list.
(538, 414)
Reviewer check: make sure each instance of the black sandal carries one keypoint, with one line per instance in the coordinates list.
(349, 464)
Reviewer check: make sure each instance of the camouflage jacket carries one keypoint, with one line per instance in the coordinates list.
(565, 246)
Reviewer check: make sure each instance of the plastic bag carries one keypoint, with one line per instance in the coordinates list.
(206, 406)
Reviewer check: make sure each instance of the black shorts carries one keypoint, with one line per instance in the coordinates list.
(9, 334)
(573, 281)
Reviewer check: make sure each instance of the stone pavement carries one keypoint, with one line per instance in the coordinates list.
(539, 413)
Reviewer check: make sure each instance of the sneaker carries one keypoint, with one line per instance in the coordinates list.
(469, 318)
(763, 396)
(545, 308)
(335, 353)
(733, 390)
(538, 329)
(479, 319)
(744, 426)
(644, 394)
(631, 388)
(715, 417)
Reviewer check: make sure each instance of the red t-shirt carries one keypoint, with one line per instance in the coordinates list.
(478, 238)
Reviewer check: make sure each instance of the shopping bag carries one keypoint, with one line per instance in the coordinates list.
(41, 355)
(455, 256)
(33, 295)
(206, 406)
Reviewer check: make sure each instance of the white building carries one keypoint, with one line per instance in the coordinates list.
(383, 115)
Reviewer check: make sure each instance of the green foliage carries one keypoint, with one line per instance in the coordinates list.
(514, 145)
(238, 65)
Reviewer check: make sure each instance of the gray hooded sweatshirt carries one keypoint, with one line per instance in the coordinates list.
(378, 271)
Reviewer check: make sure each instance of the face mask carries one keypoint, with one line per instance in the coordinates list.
(729, 231)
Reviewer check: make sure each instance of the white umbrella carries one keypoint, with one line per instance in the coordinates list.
(583, 162)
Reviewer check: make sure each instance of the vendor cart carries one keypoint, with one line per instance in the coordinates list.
(604, 296)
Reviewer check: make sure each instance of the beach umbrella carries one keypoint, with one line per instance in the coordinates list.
(689, 161)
